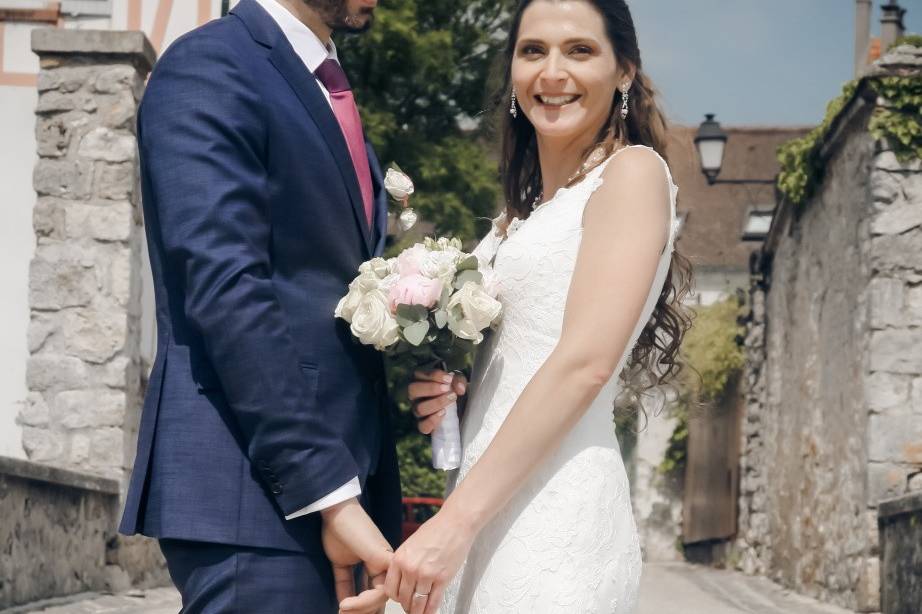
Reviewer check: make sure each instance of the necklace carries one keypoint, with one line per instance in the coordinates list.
(592, 160)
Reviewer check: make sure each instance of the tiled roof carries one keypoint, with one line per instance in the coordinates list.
(711, 235)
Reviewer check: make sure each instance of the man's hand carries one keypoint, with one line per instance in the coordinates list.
(349, 538)
(431, 393)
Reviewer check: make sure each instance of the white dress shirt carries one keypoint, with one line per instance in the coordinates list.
(313, 53)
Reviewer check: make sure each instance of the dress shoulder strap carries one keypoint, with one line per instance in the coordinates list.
(594, 181)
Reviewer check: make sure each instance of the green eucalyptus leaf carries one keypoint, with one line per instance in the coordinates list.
(416, 333)
(465, 276)
(412, 313)
(469, 264)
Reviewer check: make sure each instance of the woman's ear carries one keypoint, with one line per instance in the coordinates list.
(626, 75)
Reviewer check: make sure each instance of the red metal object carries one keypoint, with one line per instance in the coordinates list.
(416, 511)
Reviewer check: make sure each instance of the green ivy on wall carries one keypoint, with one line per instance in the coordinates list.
(800, 171)
(900, 122)
(897, 121)
(913, 40)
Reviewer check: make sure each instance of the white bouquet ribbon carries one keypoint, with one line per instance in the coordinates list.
(446, 441)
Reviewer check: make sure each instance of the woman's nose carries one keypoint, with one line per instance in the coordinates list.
(553, 68)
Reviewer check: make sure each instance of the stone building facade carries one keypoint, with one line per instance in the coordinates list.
(833, 381)
(83, 373)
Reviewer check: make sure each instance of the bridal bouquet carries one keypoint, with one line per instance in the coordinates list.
(426, 308)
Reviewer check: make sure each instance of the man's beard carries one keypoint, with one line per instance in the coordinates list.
(335, 15)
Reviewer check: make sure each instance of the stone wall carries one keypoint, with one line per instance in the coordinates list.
(83, 372)
(834, 371)
(54, 534)
(901, 554)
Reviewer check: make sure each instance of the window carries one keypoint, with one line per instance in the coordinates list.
(757, 223)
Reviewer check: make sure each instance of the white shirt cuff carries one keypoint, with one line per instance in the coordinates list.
(350, 489)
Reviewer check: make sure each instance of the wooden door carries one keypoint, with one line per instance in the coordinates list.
(712, 470)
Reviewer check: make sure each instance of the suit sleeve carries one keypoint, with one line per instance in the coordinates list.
(202, 139)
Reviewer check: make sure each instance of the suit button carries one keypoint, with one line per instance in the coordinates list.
(276, 489)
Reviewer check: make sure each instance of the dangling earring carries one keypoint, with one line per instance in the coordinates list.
(513, 111)
(625, 95)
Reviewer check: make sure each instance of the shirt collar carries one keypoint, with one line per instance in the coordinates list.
(306, 44)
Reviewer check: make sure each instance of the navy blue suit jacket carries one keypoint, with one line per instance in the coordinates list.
(259, 401)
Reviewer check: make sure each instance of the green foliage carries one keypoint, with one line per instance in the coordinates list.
(800, 169)
(713, 354)
(900, 122)
(712, 349)
(676, 454)
(914, 40)
(414, 454)
(419, 74)
(897, 120)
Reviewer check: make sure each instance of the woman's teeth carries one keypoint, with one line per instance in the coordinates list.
(557, 101)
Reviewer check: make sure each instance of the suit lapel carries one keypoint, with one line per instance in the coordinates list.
(305, 87)
(380, 216)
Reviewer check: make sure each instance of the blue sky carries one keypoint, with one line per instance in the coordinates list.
(752, 62)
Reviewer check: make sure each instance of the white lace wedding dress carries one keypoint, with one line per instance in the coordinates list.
(566, 542)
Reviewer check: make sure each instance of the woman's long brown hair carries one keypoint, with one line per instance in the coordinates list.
(655, 358)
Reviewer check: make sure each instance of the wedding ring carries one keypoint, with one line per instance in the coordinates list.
(420, 595)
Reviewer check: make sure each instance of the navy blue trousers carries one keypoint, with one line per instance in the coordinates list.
(221, 579)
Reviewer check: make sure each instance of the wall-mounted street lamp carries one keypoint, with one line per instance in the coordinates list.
(711, 141)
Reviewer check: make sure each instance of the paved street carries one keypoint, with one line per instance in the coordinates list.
(667, 589)
(691, 589)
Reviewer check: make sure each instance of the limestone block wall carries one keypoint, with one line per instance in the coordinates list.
(83, 372)
(834, 371)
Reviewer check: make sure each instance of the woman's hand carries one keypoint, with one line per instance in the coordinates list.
(425, 563)
(349, 538)
(431, 393)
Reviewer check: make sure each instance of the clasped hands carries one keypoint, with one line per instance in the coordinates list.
(417, 574)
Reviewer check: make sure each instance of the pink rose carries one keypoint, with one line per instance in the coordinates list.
(415, 290)
(410, 261)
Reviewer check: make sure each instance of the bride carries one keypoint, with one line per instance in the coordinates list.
(539, 516)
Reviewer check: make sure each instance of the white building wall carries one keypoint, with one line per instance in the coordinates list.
(163, 21)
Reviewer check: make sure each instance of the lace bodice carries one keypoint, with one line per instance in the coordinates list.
(566, 542)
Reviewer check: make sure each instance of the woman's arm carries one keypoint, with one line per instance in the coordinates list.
(626, 225)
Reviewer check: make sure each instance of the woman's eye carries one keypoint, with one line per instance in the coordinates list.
(581, 50)
(530, 50)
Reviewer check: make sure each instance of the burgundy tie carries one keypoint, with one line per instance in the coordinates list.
(331, 74)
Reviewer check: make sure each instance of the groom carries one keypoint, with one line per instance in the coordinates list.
(265, 459)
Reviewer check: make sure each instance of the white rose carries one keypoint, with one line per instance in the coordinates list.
(388, 282)
(441, 265)
(444, 243)
(398, 185)
(378, 266)
(373, 323)
(349, 303)
(366, 282)
(465, 329)
(478, 308)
